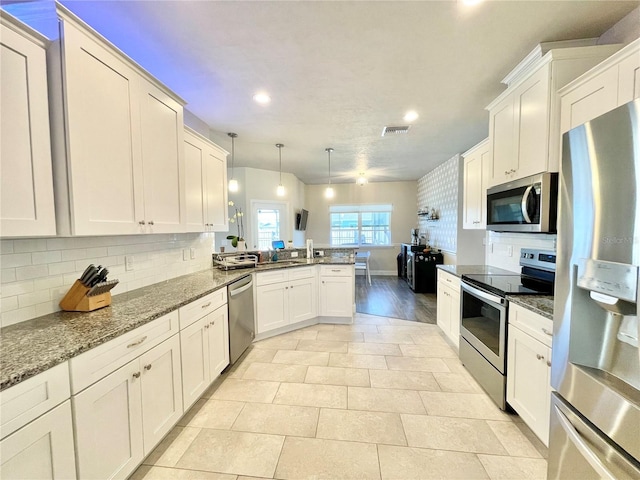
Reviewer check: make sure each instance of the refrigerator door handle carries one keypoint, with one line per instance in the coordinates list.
(582, 446)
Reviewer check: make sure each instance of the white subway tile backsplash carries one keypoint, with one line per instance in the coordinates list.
(16, 288)
(12, 260)
(30, 245)
(17, 316)
(6, 246)
(53, 264)
(62, 267)
(53, 256)
(34, 271)
(74, 254)
(8, 275)
(34, 298)
(9, 303)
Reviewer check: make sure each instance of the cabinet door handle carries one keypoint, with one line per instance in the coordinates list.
(148, 367)
(548, 363)
(212, 323)
(547, 332)
(135, 344)
(136, 375)
(286, 288)
(150, 222)
(322, 281)
(291, 287)
(142, 222)
(207, 326)
(206, 305)
(539, 357)
(335, 270)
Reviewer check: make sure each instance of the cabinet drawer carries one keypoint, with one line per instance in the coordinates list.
(336, 270)
(29, 399)
(448, 279)
(301, 272)
(101, 361)
(539, 327)
(267, 278)
(202, 307)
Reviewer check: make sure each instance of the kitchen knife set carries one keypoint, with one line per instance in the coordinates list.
(95, 278)
(90, 291)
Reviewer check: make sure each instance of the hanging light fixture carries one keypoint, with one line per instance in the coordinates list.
(233, 183)
(280, 191)
(329, 193)
(361, 180)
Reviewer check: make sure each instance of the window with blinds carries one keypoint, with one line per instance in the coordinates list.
(360, 225)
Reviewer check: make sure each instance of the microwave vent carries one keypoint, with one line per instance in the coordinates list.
(395, 130)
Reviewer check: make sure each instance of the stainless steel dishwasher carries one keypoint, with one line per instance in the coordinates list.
(241, 320)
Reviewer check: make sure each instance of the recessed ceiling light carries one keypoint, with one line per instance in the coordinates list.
(262, 98)
(410, 116)
(471, 2)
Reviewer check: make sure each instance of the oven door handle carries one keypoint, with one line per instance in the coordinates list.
(523, 204)
(494, 299)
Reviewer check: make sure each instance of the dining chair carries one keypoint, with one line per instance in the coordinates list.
(362, 263)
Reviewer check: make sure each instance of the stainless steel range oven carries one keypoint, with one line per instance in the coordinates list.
(484, 316)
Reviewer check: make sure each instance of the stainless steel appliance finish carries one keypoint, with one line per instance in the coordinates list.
(596, 360)
(484, 314)
(241, 319)
(525, 205)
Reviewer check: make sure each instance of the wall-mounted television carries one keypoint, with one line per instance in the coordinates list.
(301, 219)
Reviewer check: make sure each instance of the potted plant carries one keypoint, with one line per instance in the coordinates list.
(237, 241)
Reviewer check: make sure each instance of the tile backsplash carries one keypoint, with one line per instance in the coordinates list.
(503, 248)
(37, 273)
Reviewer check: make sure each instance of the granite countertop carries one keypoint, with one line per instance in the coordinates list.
(31, 347)
(540, 304)
(459, 270)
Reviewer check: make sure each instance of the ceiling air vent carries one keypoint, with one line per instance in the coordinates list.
(395, 130)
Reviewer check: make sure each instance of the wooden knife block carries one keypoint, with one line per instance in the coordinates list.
(76, 299)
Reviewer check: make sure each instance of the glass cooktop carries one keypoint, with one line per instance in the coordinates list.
(509, 284)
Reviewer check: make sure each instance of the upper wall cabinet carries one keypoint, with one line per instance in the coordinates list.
(206, 184)
(612, 83)
(119, 158)
(476, 166)
(524, 120)
(26, 181)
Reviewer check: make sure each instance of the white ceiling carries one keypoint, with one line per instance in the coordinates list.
(338, 72)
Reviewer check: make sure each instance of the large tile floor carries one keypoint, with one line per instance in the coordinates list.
(380, 399)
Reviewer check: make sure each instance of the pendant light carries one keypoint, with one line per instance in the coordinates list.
(280, 191)
(329, 193)
(233, 183)
(361, 180)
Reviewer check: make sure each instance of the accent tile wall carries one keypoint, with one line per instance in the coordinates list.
(439, 189)
(36, 273)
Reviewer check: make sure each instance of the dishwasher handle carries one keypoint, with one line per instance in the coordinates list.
(236, 292)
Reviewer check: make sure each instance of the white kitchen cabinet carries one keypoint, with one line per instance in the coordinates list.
(524, 120)
(476, 166)
(26, 183)
(612, 83)
(118, 140)
(128, 412)
(448, 306)
(161, 385)
(108, 425)
(337, 290)
(206, 184)
(285, 297)
(205, 353)
(43, 449)
(529, 368)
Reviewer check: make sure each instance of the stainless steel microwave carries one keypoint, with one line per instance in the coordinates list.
(526, 205)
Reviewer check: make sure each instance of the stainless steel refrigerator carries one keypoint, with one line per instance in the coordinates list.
(595, 372)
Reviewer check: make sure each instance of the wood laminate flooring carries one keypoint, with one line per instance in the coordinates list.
(391, 297)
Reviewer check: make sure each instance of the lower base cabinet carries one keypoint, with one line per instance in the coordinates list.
(337, 290)
(529, 369)
(43, 449)
(121, 418)
(205, 353)
(448, 305)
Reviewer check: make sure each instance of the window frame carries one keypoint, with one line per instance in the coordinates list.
(359, 210)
